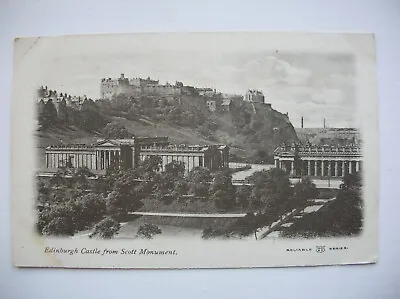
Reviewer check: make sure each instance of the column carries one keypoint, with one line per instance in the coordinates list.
(276, 163)
(315, 167)
(357, 166)
(291, 167)
(190, 163)
(329, 168)
(350, 168)
(343, 168)
(322, 168)
(187, 162)
(308, 167)
(336, 168)
(97, 160)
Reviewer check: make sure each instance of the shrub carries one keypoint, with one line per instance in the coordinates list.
(148, 231)
(106, 228)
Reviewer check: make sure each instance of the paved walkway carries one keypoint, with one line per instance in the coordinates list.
(193, 215)
(292, 216)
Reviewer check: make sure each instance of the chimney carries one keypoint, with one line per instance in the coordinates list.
(302, 122)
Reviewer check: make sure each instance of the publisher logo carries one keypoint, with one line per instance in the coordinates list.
(320, 249)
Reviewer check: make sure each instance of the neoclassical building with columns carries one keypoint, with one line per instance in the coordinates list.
(318, 161)
(127, 153)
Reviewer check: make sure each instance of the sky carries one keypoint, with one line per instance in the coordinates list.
(315, 85)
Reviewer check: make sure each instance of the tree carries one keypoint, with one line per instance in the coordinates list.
(222, 191)
(62, 112)
(91, 118)
(106, 228)
(176, 169)
(148, 231)
(243, 195)
(148, 168)
(198, 180)
(49, 116)
(271, 191)
(303, 191)
(342, 217)
(58, 179)
(351, 181)
(89, 208)
(121, 102)
(59, 220)
(116, 130)
(81, 178)
(181, 187)
(59, 226)
(164, 184)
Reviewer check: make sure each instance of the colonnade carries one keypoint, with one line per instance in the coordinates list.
(103, 156)
(67, 159)
(319, 167)
(190, 161)
(107, 157)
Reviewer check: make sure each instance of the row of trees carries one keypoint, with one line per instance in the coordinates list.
(267, 200)
(342, 217)
(71, 203)
(88, 117)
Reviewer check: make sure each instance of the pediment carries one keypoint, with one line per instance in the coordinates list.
(106, 143)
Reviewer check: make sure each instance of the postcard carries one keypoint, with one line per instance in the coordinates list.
(195, 150)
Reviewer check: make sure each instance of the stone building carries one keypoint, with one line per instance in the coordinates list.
(226, 105)
(98, 156)
(213, 157)
(254, 96)
(60, 101)
(126, 153)
(206, 91)
(319, 161)
(137, 87)
(211, 105)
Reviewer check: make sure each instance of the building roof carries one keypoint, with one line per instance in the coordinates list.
(318, 150)
(226, 102)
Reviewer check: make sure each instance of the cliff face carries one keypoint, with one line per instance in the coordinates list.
(256, 129)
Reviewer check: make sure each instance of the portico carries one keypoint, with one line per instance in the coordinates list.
(319, 161)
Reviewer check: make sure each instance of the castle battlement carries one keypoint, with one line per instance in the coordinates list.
(136, 87)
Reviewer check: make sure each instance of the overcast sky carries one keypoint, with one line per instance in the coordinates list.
(312, 85)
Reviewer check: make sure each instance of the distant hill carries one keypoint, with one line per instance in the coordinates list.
(252, 131)
(331, 136)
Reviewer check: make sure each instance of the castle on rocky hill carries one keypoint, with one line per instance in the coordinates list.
(137, 87)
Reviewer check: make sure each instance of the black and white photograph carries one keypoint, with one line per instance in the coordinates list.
(180, 146)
